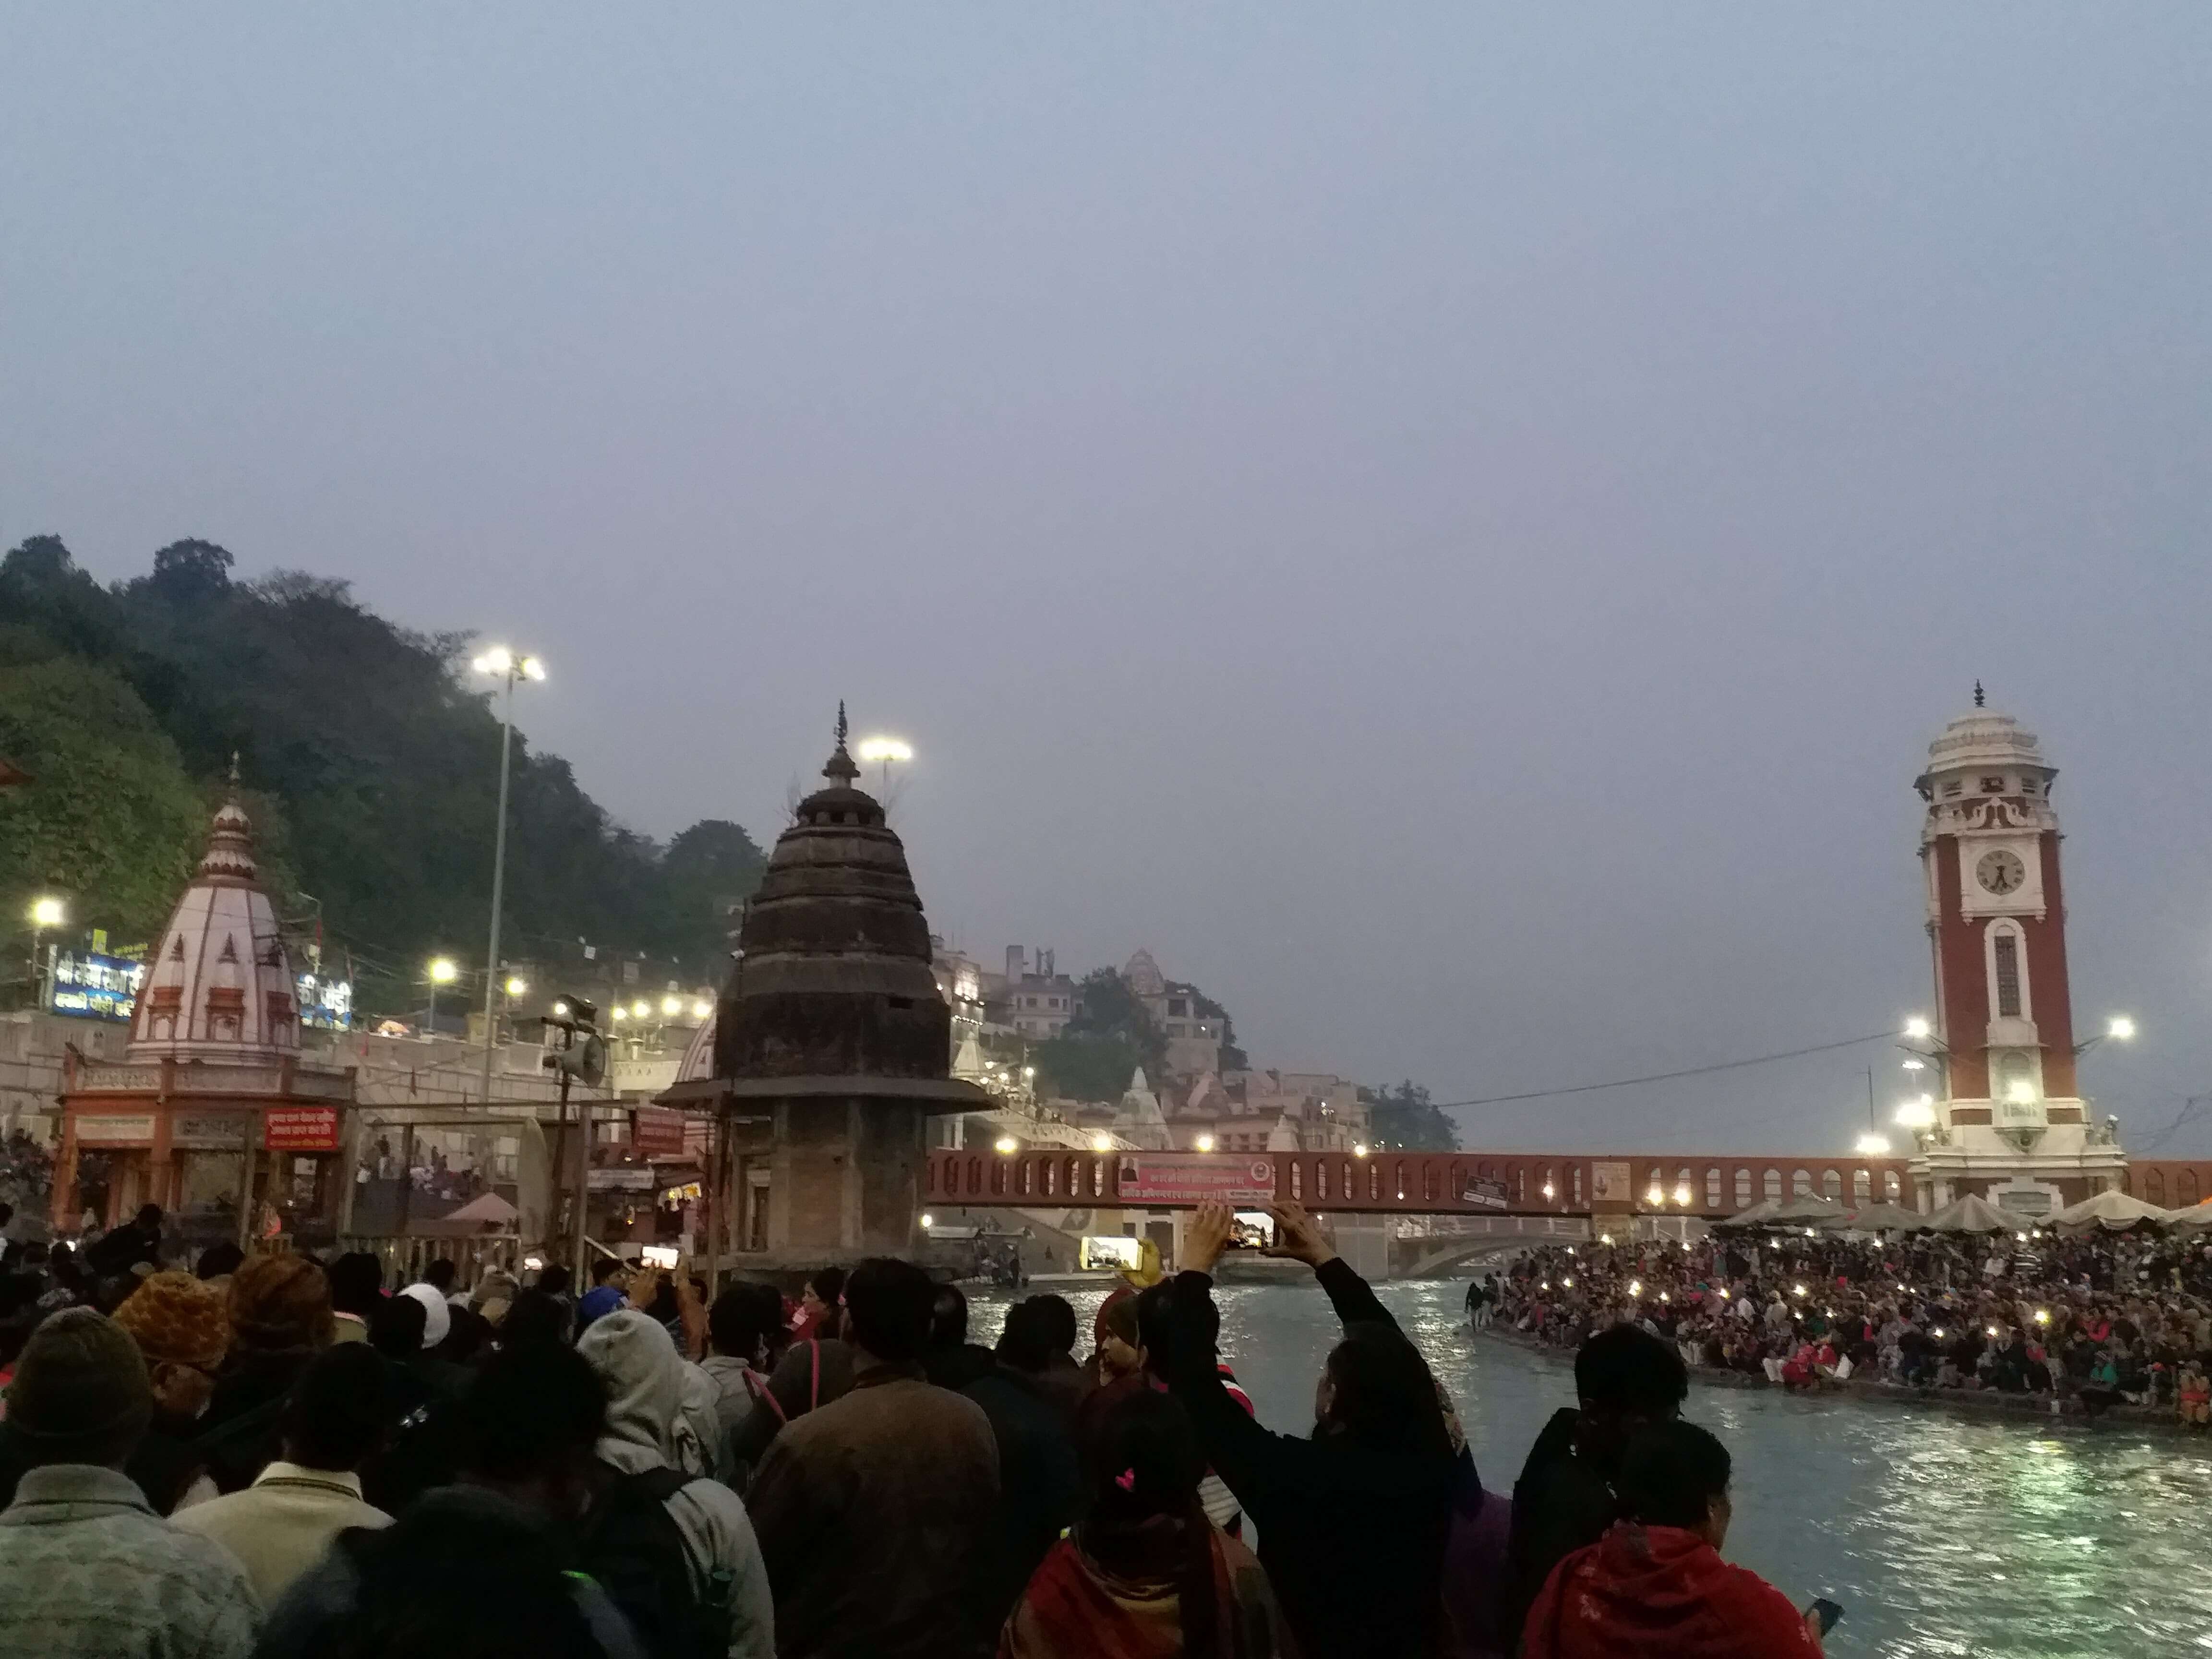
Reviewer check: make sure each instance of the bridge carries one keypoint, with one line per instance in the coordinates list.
(1466, 1183)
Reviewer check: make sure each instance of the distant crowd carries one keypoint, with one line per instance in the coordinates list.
(271, 1455)
(2088, 1322)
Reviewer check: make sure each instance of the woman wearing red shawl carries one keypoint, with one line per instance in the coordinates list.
(1655, 1586)
(1143, 1575)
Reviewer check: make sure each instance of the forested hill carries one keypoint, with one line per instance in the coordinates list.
(370, 767)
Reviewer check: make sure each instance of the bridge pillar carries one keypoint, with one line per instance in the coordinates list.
(1364, 1241)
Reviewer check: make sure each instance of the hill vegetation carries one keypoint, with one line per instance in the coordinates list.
(371, 771)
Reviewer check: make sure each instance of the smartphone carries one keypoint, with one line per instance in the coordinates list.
(1827, 1611)
(660, 1256)
(1251, 1230)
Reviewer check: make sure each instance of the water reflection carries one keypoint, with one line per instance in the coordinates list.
(1943, 1537)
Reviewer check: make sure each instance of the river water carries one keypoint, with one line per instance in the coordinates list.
(1943, 1535)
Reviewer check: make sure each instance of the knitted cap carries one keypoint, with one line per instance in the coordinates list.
(437, 1315)
(280, 1302)
(175, 1318)
(80, 1394)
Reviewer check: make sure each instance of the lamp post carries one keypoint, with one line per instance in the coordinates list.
(886, 749)
(506, 667)
(440, 971)
(46, 912)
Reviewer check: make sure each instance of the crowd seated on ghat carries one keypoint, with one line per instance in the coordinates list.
(2088, 1321)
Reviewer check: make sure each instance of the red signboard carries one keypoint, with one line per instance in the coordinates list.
(658, 1132)
(1194, 1178)
(300, 1129)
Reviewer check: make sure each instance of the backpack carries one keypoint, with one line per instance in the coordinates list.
(633, 1548)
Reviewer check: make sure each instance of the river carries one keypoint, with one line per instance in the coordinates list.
(1943, 1535)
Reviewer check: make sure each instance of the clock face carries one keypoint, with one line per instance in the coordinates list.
(2001, 872)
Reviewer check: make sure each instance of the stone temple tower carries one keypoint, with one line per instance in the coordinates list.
(2008, 1117)
(832, 1043)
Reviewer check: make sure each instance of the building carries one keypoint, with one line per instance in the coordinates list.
(1040, 1001)
(832, 1047)
(2006, 1117)
(213, 1113)
(1266, 1111)
(1194, 1035)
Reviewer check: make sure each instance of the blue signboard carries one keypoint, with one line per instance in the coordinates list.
(89, 986)
(94, 987)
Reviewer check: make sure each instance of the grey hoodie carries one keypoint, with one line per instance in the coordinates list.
(649, 1428)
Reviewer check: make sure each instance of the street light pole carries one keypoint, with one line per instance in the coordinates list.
(500, 661)
(498, 879)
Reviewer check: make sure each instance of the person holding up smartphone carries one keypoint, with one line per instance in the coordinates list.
(1654, 1587)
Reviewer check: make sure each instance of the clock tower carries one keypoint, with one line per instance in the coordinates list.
(2007, 1119)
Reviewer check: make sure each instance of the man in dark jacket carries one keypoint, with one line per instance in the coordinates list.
(1353, 1521)
(1040, 1478)
(1625, 1379)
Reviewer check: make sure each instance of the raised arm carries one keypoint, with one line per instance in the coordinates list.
(1299, 1237)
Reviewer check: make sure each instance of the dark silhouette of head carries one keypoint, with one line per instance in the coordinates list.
(337, 1411)
(1625, 1378)
(1675, 1473)
(888, 1305)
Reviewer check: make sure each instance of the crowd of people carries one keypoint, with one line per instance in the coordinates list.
(273, 1455)
(2086, 1322)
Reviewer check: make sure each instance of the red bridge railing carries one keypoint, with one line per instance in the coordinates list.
(1431, 1183)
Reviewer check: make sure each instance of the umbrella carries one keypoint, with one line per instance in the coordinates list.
(1759, 1215)
(1971, 1214)
(1807, 1208)
(2110, 1209)
(1877, 1218)
(489, 1210)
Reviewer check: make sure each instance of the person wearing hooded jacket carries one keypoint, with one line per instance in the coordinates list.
(1654, 1587)
(649, 1428)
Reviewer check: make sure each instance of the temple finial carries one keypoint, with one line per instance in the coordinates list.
(1979, 699)
(840, 768)
(233, 771)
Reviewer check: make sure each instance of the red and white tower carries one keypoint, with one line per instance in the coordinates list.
(2007, 1120)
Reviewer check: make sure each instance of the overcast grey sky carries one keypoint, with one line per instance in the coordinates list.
(1454, 525)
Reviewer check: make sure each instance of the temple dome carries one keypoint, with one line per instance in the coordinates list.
(833, 975)
(219, 984)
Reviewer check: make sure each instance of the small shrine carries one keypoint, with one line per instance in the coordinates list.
(213, 1113)
(832, 1045)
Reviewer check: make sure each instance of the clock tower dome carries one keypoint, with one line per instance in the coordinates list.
(2008, 1117)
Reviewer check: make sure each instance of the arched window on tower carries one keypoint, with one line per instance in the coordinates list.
(1801, 1183)
(1743, 1188)
(1831, 1184)
(1861, 1186)
(2009, 997)
(1892, 1188)
(1772, 1185)
(1712, 1189)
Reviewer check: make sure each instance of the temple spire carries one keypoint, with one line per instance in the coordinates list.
(841, 767)
(1980, 700)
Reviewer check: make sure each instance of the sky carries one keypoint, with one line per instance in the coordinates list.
(1452, 526)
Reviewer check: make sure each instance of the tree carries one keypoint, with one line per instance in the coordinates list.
(709, 870)
(190, 572)
(370, 745)
(1105, 1007)
(1406, 1119)
(112, 822)
(1077, 1065)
